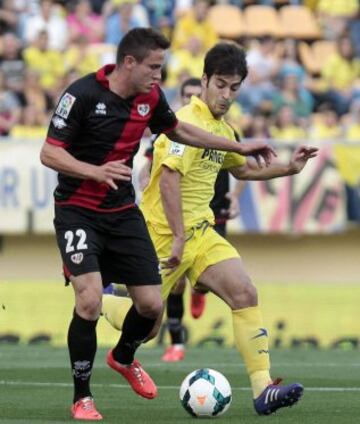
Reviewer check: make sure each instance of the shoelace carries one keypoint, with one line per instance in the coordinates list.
(87, 404)
(136, 370)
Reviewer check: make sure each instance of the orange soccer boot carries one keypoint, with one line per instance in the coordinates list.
(139, 380)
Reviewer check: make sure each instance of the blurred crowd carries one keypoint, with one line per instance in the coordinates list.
(46, 44)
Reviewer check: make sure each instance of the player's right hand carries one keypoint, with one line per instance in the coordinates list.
(260, 150)
(112, 171)
(174, 260)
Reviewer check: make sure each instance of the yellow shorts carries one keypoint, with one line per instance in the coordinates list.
(203, 247)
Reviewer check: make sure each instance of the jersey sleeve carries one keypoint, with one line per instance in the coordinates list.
(68, 117)
(177, 156)
(163, 119)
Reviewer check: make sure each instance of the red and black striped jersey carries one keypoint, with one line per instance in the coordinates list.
(95, 125)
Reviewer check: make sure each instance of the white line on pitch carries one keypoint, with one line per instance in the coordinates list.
(125, 386)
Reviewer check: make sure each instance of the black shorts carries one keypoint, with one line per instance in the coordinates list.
(117, 244)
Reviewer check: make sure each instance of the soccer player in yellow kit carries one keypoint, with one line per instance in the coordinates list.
(176, 209)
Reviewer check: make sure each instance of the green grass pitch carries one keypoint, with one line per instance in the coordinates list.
(35, 387)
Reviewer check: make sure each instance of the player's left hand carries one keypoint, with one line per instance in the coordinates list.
(174, 260)
(234, 209)
(301, 155)
(260, 150)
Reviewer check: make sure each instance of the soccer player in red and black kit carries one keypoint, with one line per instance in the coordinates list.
(92, 138)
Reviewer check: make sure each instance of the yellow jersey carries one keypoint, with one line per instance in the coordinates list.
(198, 168)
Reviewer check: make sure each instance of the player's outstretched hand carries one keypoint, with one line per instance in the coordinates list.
(260, 150)
(113, 171)
(301, 155)
(174, 260)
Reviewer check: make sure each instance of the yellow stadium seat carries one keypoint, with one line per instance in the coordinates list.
(298, 22)
(323, 49)
(313, 57)
(262, 20)
(227, 21)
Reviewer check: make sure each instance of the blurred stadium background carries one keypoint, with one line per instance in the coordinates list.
(299, 236)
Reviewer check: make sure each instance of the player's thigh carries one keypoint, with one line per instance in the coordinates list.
(129, 256)
(219, 268)
(79, 242)
(229, 280)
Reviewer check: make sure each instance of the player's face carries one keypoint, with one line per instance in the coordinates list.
(219, 92)
(148, 72)
(189, 91)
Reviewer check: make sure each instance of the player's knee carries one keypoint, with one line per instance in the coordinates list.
(89, 308)
(151, 308)
(244, 296)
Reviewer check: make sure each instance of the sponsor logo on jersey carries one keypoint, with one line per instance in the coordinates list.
(58, 122)
(213, 156)
(176, 149)
(100, 109)
(143, 109)
(77, 258)
(66, 103)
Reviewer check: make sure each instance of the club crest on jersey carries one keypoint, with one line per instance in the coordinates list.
(77, 258)
(66, 103)
(143, 109)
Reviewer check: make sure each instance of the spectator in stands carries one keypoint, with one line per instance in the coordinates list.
(28, 128)
(352, 132)
(161, 14)
(286, 127)
(195, 23)
(121, 21)
(36, 103)
(80, 56)
(8, 17)
(336, 15)
(258, 126)
(83, 22)
(263, 67)
(325, 124)
(290, 94)
(339, 74)
(190, 58)
(48, 62)
(11, 62)
(49, 19)
(10, 110)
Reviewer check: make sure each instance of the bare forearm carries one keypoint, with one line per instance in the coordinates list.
(61, 161)
(171, 200)
(251, 172)
(194, 136)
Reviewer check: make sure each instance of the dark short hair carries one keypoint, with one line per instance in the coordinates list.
(193, 82)
(138, 42)
(226, 58)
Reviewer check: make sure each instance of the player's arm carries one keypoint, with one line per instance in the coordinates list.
(57, 158)
(186, 133)
(170, 191)
(250, 170)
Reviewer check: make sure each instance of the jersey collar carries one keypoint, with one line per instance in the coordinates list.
(101, 74)
(203, 108)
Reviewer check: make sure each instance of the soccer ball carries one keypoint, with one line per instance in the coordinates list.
(205, 393)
